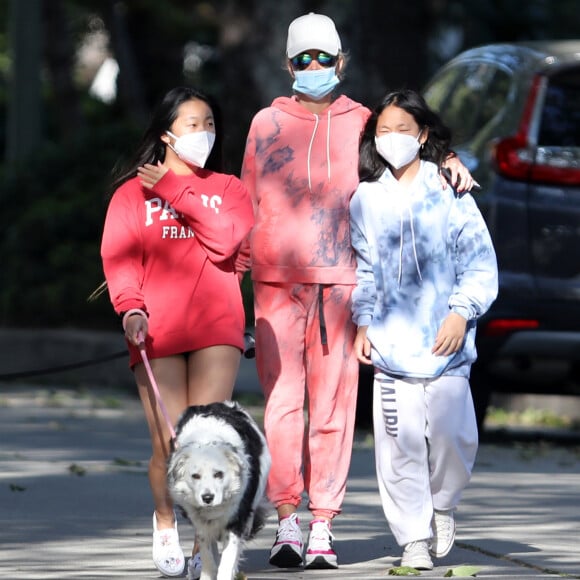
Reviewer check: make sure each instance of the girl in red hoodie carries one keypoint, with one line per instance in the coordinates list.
(171, 236)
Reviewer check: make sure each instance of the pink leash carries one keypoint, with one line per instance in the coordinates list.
(155, 387)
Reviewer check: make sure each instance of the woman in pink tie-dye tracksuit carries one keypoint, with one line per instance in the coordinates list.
(301, 168)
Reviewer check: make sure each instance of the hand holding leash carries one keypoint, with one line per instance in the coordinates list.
(135, 323)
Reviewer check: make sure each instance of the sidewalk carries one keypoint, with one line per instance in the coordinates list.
(75, 501)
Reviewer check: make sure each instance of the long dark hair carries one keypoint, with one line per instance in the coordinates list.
(371, 165)
(151, 149)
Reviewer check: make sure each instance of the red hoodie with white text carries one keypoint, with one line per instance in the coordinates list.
(171, 252)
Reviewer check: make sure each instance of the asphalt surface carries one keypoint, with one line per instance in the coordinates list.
(75, 500)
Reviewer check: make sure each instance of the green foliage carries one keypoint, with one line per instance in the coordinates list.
(528, 418)
(50, 229)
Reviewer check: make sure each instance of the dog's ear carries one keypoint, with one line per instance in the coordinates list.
(238, 467)
(176, 472)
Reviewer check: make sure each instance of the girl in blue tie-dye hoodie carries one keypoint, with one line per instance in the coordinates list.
(426, 270)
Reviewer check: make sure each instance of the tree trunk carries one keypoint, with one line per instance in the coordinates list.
(60, 52)
(24, 131)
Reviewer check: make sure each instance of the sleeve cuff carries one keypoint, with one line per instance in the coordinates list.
(462, 311)
(132, 312)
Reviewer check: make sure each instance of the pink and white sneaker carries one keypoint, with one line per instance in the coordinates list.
(287, 549)
(319, 553)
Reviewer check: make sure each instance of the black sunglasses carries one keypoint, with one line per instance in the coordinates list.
(302, 61)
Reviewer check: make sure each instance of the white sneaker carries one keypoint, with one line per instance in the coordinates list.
(320, 554)
(194, 567)
(443, 533)
(416, 555)
(167, 554)
(287, 549)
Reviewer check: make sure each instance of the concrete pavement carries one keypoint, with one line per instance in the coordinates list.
(75, 500)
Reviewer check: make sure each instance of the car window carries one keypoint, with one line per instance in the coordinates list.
(454, 95)
(560, 121)
(437, 92)
(464, 103)
(467, 97)
(495, 98)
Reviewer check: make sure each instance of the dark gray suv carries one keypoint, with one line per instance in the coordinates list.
(514, 111)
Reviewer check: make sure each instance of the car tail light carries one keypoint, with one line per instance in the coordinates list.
(503, 326)
(517, 158)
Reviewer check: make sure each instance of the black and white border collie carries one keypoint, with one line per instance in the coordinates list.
(217, 474)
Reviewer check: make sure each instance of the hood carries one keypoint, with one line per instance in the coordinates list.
(341, 106)
(290, 105)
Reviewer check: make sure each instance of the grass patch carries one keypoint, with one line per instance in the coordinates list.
(497, 417)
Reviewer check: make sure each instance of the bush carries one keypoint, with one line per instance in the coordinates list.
(51, 224)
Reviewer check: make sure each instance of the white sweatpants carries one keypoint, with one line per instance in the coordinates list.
(425, 446)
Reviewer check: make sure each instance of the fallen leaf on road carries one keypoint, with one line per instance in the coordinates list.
(404, 571)
(75, 469)
(462, 571)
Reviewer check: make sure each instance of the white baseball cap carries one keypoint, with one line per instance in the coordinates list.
(312, 32)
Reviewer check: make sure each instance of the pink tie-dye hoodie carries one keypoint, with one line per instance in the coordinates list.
(301, 170)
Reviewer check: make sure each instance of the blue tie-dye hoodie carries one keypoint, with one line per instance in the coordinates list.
(422, 251)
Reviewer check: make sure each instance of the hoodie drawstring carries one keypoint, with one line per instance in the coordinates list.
(317, 120)
(310, 150)
(328, 145)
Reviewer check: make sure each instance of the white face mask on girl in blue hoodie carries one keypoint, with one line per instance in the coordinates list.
(398, 149)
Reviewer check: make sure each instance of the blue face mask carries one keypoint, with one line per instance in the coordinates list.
(315, 83)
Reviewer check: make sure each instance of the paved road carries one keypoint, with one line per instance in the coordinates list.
(75, 503)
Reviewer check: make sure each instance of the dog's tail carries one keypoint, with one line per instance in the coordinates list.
(261, 513)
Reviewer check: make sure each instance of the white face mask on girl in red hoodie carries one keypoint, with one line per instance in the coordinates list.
(193, 148)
